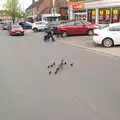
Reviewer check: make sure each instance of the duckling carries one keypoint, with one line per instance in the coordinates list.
(56, 72)
(57, 69)
(48, 66)
(71, 64)
(65, 63)
(51, 65)
(50, 72)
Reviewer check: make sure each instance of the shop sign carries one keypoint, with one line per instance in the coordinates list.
(115, 12)
(107, 12)
(71, 3)
(93, 12)
(101, 12)
(78, 6)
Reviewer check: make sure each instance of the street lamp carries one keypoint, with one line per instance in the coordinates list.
(54, 8)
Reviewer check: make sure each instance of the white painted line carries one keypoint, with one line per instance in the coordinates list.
(90, 49)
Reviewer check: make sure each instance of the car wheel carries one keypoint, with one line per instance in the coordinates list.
(64, 34)
(107, 42)
(90, 32)
(35, 30)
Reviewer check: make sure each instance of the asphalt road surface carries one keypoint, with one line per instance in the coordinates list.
(90, 90)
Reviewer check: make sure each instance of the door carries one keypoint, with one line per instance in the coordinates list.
(115, 33)
(69, 28)
(41, 25)
(27, 26)
(80, 28)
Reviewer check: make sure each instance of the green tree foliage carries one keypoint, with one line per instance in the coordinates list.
(13, 9)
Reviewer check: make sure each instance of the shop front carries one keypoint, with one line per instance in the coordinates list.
(103, 12)
(77, 10)
(99, 12)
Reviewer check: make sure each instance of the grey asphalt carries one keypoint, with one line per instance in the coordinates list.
(90, 90)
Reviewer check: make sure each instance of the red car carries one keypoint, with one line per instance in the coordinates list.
(76, 28)
(16, 30)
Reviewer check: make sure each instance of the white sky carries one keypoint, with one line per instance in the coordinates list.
(24, 3)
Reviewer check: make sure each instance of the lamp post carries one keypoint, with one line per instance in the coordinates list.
(54, 8)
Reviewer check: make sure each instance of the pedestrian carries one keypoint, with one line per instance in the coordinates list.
(50, 34)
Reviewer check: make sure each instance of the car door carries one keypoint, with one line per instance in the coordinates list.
(80, 28)
(115, 33)
(69, 28)
(27, 26)
(41, 25)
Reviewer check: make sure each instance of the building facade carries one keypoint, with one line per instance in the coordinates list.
(99, 12)
(4, 17)
(32, 11)
(36, 9)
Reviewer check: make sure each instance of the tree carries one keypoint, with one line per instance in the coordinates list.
(12, 9)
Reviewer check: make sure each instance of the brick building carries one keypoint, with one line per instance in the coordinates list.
(36, 9)
(32, 11)
(46, 7)
(4, 17)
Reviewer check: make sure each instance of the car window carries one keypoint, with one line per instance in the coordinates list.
(16, 26)
(21, 23)
(79, 23)
(26, 24)
(85, 22)
(114, 28)
(70, 24)
(39, 23)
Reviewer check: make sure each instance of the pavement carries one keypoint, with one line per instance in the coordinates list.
(90, 90)
(87, 43)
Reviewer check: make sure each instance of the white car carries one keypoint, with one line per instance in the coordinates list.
(108, 36)
(39, 26)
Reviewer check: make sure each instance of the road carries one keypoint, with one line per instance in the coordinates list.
(90, 90)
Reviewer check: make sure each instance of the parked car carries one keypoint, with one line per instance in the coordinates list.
(76, 28)
(39, 26)
(16, 30)
(108, 35)
(25, 25)
(5, 26)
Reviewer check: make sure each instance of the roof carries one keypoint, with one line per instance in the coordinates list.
(34, 5)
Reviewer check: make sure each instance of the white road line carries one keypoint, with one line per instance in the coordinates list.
(93, 50)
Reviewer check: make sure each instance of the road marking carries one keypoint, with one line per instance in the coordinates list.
(93, 50)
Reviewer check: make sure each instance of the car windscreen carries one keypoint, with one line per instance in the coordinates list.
(53, 24)
(68, 24)
(86, 23)
(16, 26)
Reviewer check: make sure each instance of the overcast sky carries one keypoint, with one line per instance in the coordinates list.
(24, 3)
